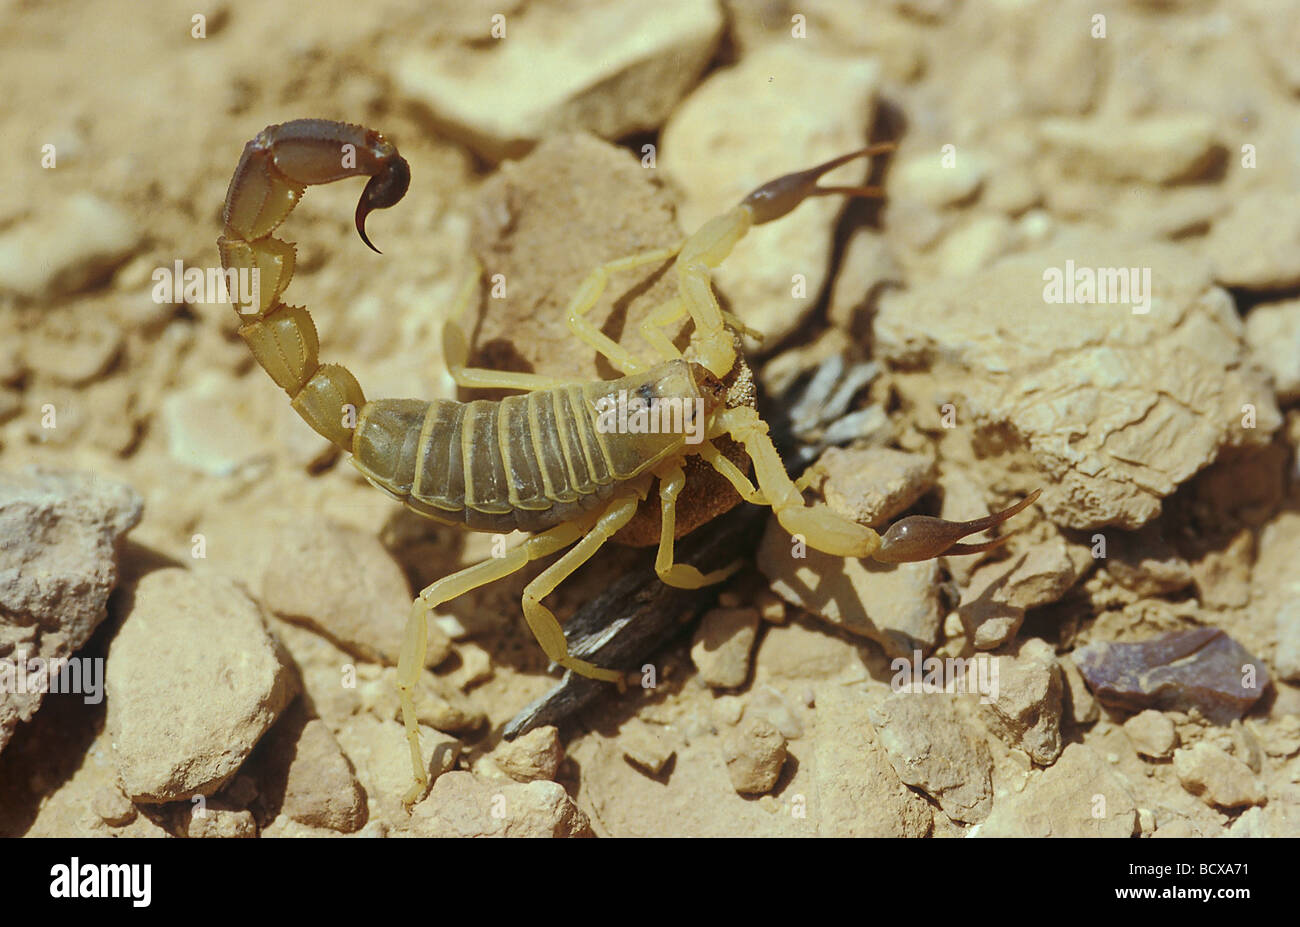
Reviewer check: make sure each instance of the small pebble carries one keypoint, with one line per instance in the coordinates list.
(531, 756)
(644, 746)
(1152, 734)
(754, 753)
(722, 646)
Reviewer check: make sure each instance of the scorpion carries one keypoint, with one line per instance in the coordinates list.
(537, 462)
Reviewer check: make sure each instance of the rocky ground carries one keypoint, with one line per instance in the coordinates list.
(166, 515)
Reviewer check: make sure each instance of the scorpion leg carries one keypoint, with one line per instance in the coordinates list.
(589, 292)
(915, 538)
(733, 474)
(703, 251)
(682, 575)
(410, 663)
(652, 328)
(542, 621)
(455, 352)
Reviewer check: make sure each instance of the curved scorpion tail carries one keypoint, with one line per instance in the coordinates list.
(274, 170)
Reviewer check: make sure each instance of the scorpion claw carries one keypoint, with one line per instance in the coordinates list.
(382, 190)
(922, 537)
(777, 197)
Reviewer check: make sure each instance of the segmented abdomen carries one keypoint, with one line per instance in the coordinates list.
(527, 462)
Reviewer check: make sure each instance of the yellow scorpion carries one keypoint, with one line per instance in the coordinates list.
(539, 462)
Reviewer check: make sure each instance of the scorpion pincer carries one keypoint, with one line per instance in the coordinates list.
(540, 461)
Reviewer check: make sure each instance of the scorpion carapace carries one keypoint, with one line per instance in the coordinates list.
(564, 459)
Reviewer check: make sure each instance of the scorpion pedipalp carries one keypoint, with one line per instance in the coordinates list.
(923, 537)
(777, 197)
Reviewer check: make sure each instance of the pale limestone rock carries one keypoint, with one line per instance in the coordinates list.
(1287, 657)
(193, 682)
(1079, 796)
(112, 807)
(858, 792)
(342, 583)
(1115, 408)
(1257, 245)
(1152, 734)
(1155, 149)
(302, 765)
(211, 425)
(867, 264)
(60, 532)
(722, 645)
(218, 822)
(1216, 777)
(608, 70)
(933, 749)
(1273, 333)
(73, 350)
(531, 756)
(754, 753)
(1026, 712)
(994, 603)
(895, 605)
(462, 805)
(770, 705)
(939, 178)
(644, 746)
(1081, 707)
(70, 243)
(871, 485)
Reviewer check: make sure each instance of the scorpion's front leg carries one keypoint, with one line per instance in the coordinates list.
(275, 169)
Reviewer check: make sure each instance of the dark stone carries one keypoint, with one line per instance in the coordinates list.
(1202, 668)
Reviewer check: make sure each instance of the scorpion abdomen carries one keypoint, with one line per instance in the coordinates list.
(528, 462)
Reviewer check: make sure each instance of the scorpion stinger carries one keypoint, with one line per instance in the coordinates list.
(382, 190)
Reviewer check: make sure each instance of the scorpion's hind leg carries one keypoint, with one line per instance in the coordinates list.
(682, 575)
(918, 537)
(410, 664)
(455, 351)
(542, 621)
